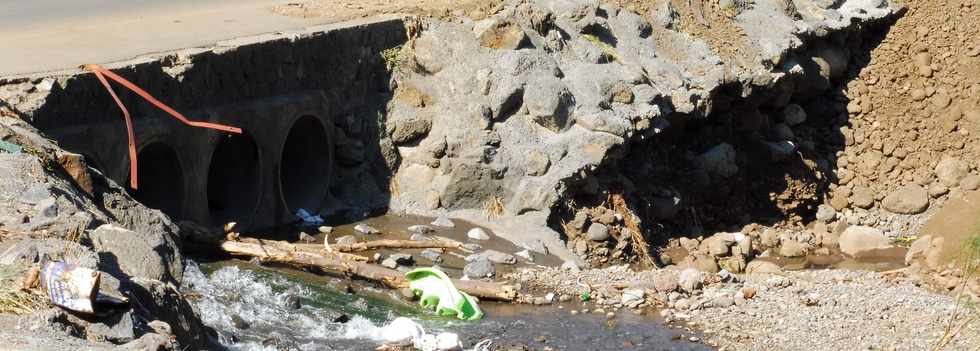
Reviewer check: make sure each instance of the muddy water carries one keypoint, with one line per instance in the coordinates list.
(249, 306)
(395, 226)
(877, 261)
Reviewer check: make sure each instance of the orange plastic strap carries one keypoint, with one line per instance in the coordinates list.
(101, 73)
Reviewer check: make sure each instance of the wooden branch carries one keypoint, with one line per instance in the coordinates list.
(278, 251)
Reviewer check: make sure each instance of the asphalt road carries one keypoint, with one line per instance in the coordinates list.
(51, 35)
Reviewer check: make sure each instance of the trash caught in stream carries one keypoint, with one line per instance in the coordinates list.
(268, 308)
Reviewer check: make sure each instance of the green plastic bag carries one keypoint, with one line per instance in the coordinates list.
(438, 293)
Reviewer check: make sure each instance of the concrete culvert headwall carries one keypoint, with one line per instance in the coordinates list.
(304, 171)
(234, 179)
(290, 93)
(161, 179)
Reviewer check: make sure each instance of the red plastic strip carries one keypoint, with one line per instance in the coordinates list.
(129, 129)
(101, 73)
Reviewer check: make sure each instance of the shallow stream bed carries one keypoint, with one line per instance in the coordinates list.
(255, 308)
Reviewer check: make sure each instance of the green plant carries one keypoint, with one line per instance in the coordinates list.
(392, 58)
(584, 296)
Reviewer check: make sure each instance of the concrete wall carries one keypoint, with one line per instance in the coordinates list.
(293, 94)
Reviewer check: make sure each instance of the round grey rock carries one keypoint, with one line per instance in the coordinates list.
(598, 232)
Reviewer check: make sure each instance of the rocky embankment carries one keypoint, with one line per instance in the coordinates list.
(55, 208)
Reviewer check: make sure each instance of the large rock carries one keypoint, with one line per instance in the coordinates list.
(690, 280)
(162, 301)
(719, 160)
(858, 240)
(479, 268)
(951, 171)
(762, 267)
(126, 254)
(909, 199)
(598, 232)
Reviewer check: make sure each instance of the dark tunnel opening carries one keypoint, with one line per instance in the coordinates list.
(233, 179)
(161, 179)
(305, 166)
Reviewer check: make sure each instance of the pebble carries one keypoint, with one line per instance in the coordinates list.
(365, 229)
(443, 221)
(478, 234)
(346, 240)
(598, 232)
(325, 229)
(420, 229)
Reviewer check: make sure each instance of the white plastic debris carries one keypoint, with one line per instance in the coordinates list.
(308, 218)
(402, 329)
(71, 286)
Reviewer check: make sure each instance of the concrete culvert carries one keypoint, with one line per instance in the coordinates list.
(161, 179)
(233, 179)
(305, 165)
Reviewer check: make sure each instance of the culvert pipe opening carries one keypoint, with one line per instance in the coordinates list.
(233, 179)
(305, 165)
(161, 179)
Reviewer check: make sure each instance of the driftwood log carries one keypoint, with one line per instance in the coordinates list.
(303, 255)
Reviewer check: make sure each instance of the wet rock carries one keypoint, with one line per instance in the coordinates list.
(239, 322)
(432, 255)
(478, 234)
(909, 199)
(598, 232)
(762, 267)
(690, 280)
(535, 245)
(347, 240)
(494, 256)
(857, 240)
(479, 268)
(526, 255)
(293, 302)
(325, 229)
(366, 229)
(793, 248)
(719, 160)
(398, 259)
(443, 221)
(124, 254)
(420, 229)
(951, 171)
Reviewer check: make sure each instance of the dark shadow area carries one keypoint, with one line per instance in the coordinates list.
(233, 178)
(784, 168)
(161, 179)
(305, 165)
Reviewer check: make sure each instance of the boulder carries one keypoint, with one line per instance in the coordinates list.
(479, 268)
(909, 199)
(126, 254)
(951, 171)
(598, 232)
(858, 240)
(793, 248)
(762, 267)
(162, 301)
(919, 249)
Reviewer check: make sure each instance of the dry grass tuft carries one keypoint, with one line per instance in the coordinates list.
(632, 224)
(493, 208)
(21, 302)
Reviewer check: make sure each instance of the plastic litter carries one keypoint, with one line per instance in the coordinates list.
(10, 147)
(71, 286)
(309, 218)
(438, 293)
(402, 330)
